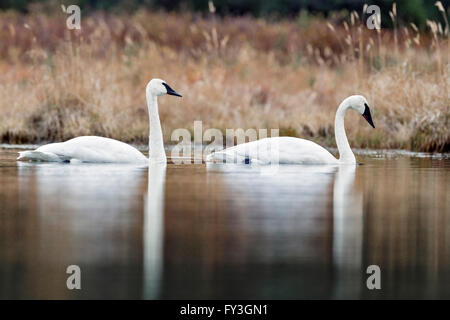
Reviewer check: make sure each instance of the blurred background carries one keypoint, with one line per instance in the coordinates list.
(416, 11)
(252, 64)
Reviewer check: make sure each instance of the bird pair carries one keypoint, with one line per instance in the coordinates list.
(286, 150)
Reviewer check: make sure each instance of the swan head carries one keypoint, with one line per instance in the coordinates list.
(360, 105)
(158, 87)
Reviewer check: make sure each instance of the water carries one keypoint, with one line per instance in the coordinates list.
(226, 231)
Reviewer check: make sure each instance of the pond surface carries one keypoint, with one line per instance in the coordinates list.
(226, 231)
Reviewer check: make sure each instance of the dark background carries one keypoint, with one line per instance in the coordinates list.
(408, 10)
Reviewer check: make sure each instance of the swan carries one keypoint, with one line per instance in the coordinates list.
(106, 150)
(289, 150)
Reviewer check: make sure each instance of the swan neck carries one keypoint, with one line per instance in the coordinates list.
(345, 152)
(155, 141)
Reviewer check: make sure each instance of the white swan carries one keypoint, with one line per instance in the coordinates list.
(100, 149)
(289, 150)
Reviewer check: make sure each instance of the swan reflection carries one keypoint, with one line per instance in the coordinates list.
(153, 230)
(87, 215)
(347, 234)
(306, 216)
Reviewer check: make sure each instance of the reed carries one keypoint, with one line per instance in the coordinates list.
(234, 72)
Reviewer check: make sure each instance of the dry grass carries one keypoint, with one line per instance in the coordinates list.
(232, 72)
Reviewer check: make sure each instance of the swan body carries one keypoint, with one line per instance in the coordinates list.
(289, 150)
(285, 150)
(86, 149)
(106, 150)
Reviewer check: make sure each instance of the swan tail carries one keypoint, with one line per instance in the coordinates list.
(39, 156)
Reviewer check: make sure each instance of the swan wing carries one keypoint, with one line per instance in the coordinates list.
(284, 150)
(39, 156)
(87, 149)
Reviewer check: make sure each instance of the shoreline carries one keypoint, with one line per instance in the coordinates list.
(358, 151)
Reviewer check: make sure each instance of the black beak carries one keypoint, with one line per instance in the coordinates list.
(170, 91)
(367, 115)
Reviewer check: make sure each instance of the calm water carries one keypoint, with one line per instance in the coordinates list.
(226, 231)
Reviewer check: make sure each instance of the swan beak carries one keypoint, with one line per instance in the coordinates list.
(170, 91)
(368, 116)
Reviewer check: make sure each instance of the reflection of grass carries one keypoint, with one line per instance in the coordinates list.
(232, 72)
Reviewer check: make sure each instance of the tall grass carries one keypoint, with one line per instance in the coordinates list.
(233, 72)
